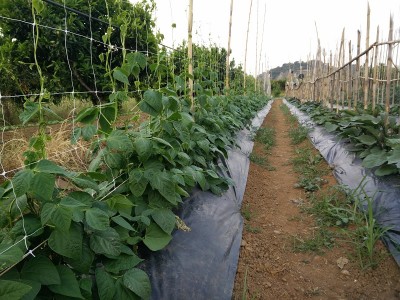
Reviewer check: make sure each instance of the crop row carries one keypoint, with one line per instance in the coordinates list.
(87, 238)
(374, 138)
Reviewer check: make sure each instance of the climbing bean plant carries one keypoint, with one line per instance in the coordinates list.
(83, 234)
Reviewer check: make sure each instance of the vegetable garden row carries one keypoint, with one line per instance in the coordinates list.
(88, 233)
(350, 102)
(84, 233)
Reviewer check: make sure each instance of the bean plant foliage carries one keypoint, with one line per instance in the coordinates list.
(377, 143)
(88, 235)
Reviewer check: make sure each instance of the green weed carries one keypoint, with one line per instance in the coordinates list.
(322, 238)
(252, 229)
(368, 231)
(259, 160)
(310, 184)
(298, 134)
(332, 208)
(286, 111)
(308, 164)
(266, 136)
(246, 212)
(245, 288)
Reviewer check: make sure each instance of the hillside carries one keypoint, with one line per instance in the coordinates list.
(283, 71)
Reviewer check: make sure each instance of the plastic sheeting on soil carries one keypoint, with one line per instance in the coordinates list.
(202, 263)
(347, 168)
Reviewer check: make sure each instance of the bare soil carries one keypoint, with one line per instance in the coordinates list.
(268, 263)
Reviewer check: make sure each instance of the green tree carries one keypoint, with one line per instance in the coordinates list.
(278, 87)
(73, 66)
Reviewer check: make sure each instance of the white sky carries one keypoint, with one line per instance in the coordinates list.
(290, 33)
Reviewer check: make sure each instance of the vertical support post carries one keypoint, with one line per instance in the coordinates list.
(262, 43)
(389, 73)
(331, 83)
(256, 70)
(350, 80)
(366, 66)
(190, 53)
(356, 89)
(229, 49)
(341, 62)
(375, 82)
(247, 43)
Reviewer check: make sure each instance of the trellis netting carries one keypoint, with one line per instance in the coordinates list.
(202, 263)
(348, 170)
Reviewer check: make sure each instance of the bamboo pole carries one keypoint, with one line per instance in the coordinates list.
(324, 87)
(247, 43)
(383, 77)
(332, 82)
(341, 73)
(229, 49)
(379, 87)
(357, 69)
(349, 80)
(398, 76)
(262, 38)
(264, 77)
(320, 71)
(315, 71)
(190, 53)
(308, 89)
(366, 66)
(389, 73)
(256, 70)
(375, 82)
(338, 57)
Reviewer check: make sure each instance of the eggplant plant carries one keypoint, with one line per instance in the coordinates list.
(378, 145)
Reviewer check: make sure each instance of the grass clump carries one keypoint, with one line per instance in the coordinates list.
(367, 231)
(246, 212)
(321, 238)
(257, 159)
(267, 137)
(331, 208)
(252, 229)
(308, 163)
(298, 134)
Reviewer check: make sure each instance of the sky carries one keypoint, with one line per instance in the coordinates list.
(289, 33)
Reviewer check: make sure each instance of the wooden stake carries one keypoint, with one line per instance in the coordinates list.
(366, 66)
(229, 49)
(350, 80)
(190, 53)
(337, 64)
(262, 39)
(332, 82)
(356, 88)
(341, 73)
(389, 73)
(375, 82)
(398, 76)
(256, 70)
(245, 52)
(316, 65)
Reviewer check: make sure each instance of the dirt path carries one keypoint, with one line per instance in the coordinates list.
(274, 270)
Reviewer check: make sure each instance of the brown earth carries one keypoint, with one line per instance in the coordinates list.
(269, 265)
